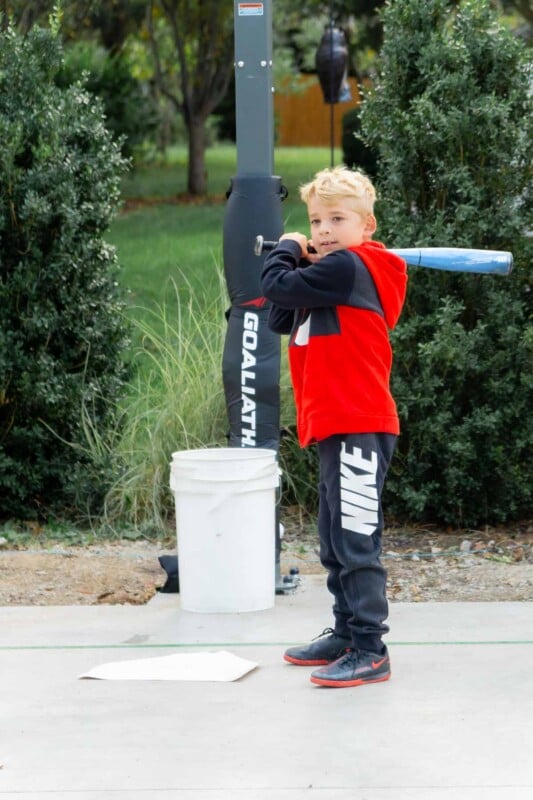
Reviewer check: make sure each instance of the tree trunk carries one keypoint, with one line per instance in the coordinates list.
(197, 173)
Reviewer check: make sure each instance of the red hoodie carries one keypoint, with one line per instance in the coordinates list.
(338, 312)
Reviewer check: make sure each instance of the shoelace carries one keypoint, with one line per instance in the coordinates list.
(325, 632)
(350, 655)
(353, 653)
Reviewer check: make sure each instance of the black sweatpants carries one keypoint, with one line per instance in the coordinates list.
(350, 522)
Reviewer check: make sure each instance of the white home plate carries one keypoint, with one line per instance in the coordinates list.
(206, 666)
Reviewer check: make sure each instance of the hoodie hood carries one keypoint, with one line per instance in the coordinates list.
(389, 273)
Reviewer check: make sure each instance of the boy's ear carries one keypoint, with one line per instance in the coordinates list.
(370, 225)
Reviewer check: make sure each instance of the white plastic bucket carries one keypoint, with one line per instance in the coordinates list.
(225, 522)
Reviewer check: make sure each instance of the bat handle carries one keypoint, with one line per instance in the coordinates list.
(262, 246)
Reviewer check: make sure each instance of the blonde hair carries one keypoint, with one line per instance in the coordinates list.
(332, 183)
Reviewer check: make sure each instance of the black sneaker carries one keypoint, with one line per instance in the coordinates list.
(354, 668)
(323, 649)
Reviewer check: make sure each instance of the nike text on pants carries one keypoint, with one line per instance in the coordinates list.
(350, 523)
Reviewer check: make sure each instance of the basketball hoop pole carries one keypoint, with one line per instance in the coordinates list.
(251, 359)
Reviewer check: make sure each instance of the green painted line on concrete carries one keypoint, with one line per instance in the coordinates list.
(46, 647)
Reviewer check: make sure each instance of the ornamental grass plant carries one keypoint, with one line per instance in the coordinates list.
(176, 402)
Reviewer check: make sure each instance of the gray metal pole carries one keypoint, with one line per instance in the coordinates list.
(251, 359)
(254, 88)
(251, 381)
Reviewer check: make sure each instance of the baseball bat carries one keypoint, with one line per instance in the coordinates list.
(451, 259)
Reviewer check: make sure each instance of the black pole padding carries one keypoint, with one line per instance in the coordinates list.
(252, 352)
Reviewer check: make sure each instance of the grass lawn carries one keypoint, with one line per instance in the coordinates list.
(161, 239)
(164, 243)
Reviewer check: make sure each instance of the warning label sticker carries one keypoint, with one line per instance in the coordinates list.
(250, 9)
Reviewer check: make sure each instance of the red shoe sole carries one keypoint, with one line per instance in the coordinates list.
(342, 684)
(299, 663)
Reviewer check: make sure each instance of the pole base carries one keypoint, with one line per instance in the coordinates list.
(287, 584)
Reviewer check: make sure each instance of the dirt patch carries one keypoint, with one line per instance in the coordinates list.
(431, 565)
(111, 573)
(423, 565)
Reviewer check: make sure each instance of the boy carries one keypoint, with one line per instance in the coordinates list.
(336, 299)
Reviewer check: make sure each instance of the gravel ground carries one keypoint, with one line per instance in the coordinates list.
(422, 564)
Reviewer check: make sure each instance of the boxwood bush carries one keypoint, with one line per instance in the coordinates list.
(450, 116)
(62, 331)
(130, 112)
(355, 153)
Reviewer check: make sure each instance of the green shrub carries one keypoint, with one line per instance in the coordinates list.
(130, 112)
(355, 153)
(61, 324)
(450, 116)
(299, 472)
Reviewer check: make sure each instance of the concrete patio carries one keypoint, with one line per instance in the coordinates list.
(455, 721)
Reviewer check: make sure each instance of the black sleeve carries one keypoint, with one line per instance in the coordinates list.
(280, 320)
(291, 283)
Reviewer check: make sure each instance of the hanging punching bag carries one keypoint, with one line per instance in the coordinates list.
(331, 65)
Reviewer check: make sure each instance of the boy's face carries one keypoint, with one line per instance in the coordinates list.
(336, 225)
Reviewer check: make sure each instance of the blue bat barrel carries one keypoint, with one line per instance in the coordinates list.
(458, 259)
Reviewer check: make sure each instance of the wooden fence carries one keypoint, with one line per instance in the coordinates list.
(304, 120)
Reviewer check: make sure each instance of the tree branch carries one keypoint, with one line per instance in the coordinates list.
(159, 74)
